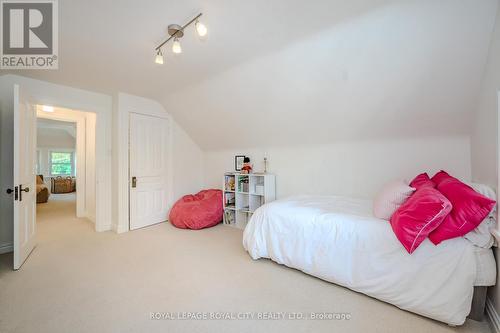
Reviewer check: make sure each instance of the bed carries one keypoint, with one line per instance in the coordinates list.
(338, 240)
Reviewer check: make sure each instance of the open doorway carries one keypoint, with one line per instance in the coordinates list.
(65, 164)
(56, 163)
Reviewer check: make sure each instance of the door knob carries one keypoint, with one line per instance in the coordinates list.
(134, 182)
(9, 191)
(21, 189)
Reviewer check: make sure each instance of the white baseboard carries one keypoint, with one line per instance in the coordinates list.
(119, 229)
(492, 316)
(102, 228)
(90, 217)
(6, 247)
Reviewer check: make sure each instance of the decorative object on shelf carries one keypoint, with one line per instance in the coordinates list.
(229, 183)
(176, 32)
(265, 164)
(238, 162)
(247, 167)
(230, 199)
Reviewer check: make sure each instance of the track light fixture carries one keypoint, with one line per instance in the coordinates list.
(201, 29)
(176, 46)
(176, 32)
(159, 57)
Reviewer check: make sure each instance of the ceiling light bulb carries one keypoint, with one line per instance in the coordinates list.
(176, 46)
(201, 29)
(159, 57)
(48, 108)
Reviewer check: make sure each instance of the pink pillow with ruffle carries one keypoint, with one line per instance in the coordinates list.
(421, 181)
(388, 200)
(424, 211)
(469, 208)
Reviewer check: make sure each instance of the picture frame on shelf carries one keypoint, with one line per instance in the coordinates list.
(238, 162)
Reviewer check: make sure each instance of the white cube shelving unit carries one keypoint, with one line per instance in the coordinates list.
(244, 194)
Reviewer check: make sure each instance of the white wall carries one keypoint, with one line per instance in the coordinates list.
(54, 138)
(188, 163)
(485, 133)
(355, 169)
(186, 158)
(485, 125)
(91, 162)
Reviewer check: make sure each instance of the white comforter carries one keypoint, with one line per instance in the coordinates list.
(338, 239)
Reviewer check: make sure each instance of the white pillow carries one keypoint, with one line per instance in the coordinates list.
(388, 200)
(481, 236)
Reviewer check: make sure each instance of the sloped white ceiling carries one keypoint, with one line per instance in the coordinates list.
(287, 72)
(55, 134)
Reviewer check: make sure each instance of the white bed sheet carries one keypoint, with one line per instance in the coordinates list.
(338, 239)
(486, 269)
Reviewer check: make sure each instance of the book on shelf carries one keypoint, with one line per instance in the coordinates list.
(229, 183)
(230, 199)
(243, 184)
(229, 217)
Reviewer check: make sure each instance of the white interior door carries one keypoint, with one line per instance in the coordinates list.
(24, 177)
(148, 153)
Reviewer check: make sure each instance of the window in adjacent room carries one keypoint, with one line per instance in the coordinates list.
(61, 163)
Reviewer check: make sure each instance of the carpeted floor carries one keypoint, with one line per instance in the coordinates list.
(77, 280)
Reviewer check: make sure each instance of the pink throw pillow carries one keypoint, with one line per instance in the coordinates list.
(424, 211)
(421, 181)
(439, 177)
(469, 208)
(388, 200)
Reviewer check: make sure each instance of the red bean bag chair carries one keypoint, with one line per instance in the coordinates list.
(202, 210)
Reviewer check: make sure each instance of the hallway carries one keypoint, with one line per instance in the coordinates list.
(57, 218)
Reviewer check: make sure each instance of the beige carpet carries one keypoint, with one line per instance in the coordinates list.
(77, 280)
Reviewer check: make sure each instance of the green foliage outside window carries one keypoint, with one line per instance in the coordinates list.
(61, 163)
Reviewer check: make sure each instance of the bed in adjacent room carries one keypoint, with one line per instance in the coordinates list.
(339, 240)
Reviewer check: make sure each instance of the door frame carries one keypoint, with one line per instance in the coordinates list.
(74, 116)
